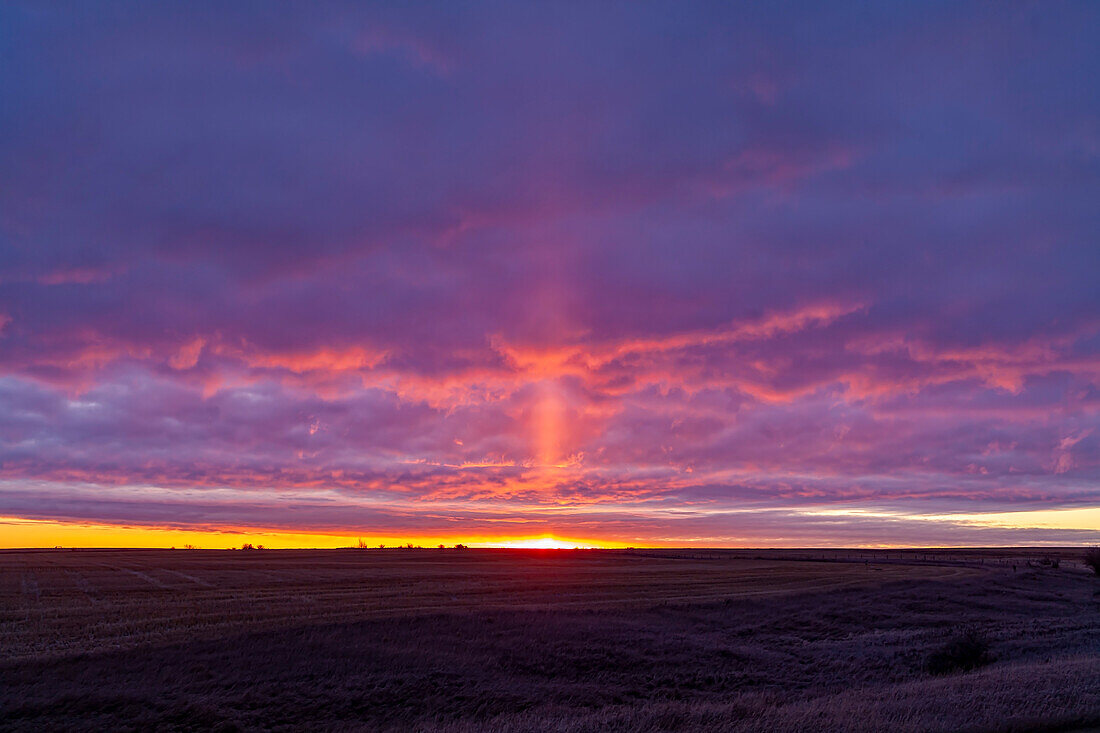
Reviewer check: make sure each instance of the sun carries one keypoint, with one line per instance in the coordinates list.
(538, 543)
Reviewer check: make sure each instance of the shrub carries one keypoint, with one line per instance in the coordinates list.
(966, 651)
(1092, 559)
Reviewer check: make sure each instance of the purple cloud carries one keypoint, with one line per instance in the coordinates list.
(585, 268)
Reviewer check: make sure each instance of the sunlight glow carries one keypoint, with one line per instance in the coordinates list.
(549, 418)
(540, 543)
(30, 533)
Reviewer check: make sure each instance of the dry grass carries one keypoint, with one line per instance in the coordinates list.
(569, 641)
(81, 601)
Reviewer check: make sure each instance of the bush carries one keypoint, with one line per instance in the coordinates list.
(966, 651)
(1092, 559)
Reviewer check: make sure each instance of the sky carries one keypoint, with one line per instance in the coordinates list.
(611, 273)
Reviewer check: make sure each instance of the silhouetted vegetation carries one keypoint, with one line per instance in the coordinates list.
(1092, 559)
(966, 651)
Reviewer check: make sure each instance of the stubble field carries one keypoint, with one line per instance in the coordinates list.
(548, 640)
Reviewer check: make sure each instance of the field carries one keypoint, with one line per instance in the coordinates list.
(463, 640)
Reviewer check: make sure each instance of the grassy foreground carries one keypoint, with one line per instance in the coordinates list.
(529, 640)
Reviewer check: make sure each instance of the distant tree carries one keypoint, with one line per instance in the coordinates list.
(259, 547)
(381, 547)
(461, 547)
(362, 544)
(1092, 559)
(190, 547)
(247, 546)
(442, 546)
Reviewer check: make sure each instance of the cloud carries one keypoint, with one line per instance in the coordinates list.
(188, 355)
(584, 268)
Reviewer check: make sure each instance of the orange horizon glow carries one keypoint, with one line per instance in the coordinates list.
(17, 533)
(29, 534)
